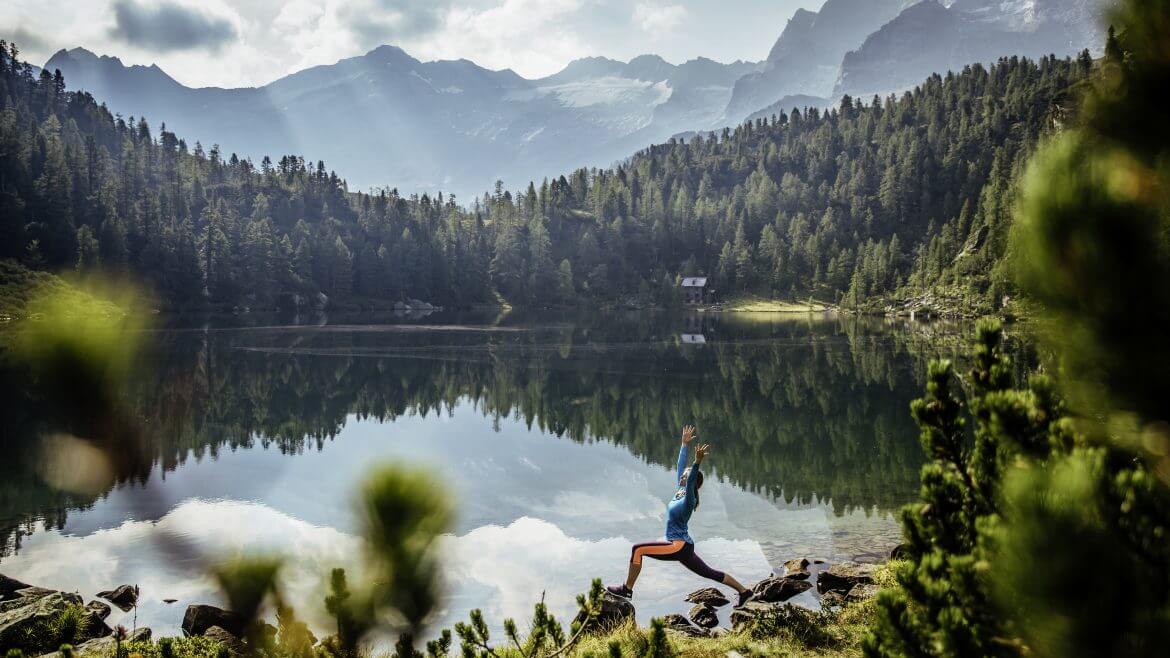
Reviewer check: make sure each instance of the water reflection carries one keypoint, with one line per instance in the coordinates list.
(261, 433)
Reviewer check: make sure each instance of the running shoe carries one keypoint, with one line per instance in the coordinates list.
(620, 590)
(744, 597)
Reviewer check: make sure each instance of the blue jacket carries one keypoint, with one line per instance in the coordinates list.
(679, 509)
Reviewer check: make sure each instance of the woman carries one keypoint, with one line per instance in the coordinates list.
(679, 547)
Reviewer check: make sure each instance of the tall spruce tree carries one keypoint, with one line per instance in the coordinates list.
(1048, 535)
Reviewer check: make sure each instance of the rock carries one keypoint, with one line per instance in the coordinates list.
(140, 635)
(98, 647)
(9, 587)
(798, 564)
(234, 645)
(99, 609)
(708, 595)
(861, 592)
(400, 306)
(832, 600)
(842, 577)
(683, 625)
(124, 596)
(199, 618)
(776, 589)
(27, 612)
(782, 614)
(169, 601)
(321, 301)
(614, 612)
(704, 615)
(900, 552)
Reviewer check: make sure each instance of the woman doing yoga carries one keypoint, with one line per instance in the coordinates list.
(679, 547)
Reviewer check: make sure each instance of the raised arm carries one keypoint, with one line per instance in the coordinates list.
(693, 476)
(688, 435)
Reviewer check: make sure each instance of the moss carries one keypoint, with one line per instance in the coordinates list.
(20, 286)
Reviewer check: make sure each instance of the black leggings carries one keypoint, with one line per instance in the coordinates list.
(675, 551)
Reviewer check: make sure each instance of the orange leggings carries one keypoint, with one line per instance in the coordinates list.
(674, 551)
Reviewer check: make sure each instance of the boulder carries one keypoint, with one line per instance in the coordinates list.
(797, 568)
(123, 596)
(708, 595)
(229, 641)
(99, 609)
(781, 614)
(25, 614)
(842, 577)
(832, 600)
(614, 612)
(704, 615)
(199, 618)
(140, 635)
(861, 592)
(776, 589)
(683, 625)
(9, 587)
(102, 647)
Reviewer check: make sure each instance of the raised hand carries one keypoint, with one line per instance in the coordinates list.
(701, 452)
(688, 434)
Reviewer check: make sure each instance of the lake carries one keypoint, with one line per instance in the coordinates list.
(556, 434)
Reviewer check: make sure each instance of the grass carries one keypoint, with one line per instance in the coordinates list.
(757, 304)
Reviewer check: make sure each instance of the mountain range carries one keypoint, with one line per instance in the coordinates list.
(387, 118)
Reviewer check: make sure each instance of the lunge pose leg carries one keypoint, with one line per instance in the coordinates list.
(679, 547)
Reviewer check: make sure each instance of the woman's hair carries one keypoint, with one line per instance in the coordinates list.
(698, 485)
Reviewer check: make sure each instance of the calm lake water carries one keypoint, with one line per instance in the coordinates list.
(556, 434)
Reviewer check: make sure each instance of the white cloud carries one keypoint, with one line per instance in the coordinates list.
(659, 18)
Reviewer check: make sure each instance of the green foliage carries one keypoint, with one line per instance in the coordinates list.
(905, 192)
(945, 604)
(1049, 537)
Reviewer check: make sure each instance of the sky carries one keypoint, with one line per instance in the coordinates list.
(252, 42)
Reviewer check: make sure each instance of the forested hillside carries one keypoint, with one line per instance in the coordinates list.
(869, 198)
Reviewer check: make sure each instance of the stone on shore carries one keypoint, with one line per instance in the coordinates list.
(99, 609)
(123, 596)
(141, 635)
(229, 641)
(704, 615)
(614, 612)
(200, 618)
(9, 587)
(781, 614)
(675, 622)
(32, 607)
(797, 568)
(842, 577)
(708, 595)
(861, 592)
(776, 589)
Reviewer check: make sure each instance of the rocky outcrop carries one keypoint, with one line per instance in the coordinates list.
(708, 595)
(797, 568)
(31, 608)
(200, 618)
(778, 589)
(614, 612)
(842, 577)
(861, 592)
(780, 614)
(229, 641)
(704, 615)
(140, 635)
(9, 587)
(123, 596)
(681, 624)
(99, 609)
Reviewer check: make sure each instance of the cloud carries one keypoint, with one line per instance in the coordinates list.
(168, 26)
(659, 18)
(25, 40)
(386, 21)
